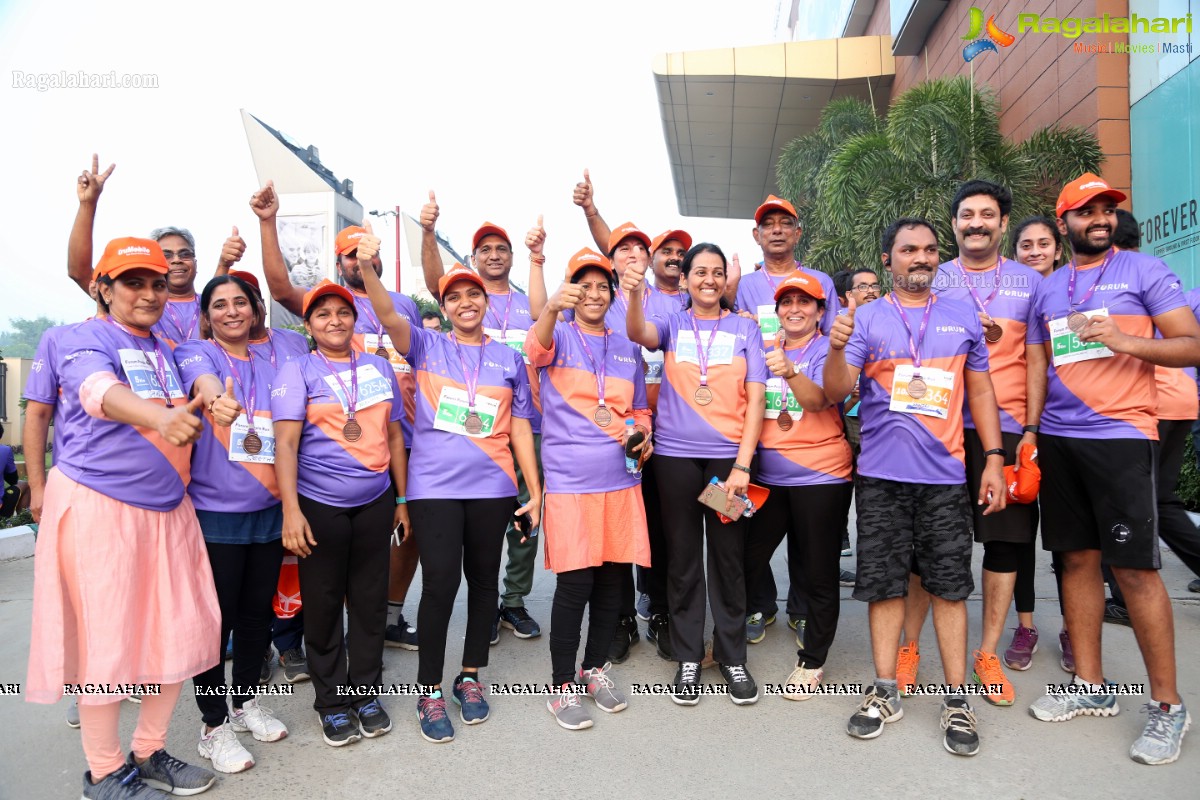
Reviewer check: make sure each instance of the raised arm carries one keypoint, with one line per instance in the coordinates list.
(431, 256)
(584, 198)
(265, 205)
(839, 377)
(88, 187)
(567, 296)
(535, 240)
(397, 326)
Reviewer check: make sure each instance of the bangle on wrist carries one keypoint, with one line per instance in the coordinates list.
(743, 469)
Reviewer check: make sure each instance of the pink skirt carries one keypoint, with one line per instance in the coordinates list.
(121, 595)
(585, 530)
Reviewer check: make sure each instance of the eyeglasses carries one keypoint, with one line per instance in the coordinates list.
(787, 223)
(866, 287)
(182, 255)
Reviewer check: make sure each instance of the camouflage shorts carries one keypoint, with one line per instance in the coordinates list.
(905, 527)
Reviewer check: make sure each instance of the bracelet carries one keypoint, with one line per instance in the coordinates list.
(213, 403)
(1032, 429)
(743, 469)
(996, 451)
(536, 259)
(401, 500)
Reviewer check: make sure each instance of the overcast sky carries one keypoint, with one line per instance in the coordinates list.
(496, 106)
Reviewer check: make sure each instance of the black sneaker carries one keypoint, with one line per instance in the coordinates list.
(1116, 613)
(495, 630)
(123, 784)
(659, 632)
(338, 729)
(166, 772)
(846, 551)
(1194, 586)
(958, 721)
(686, 691)
(743, 691)
(372, 719)
(877, 707)
(626, 635)
(401, 635)
(846, 578)
(295, 665)
(517, 619)
(268, 669)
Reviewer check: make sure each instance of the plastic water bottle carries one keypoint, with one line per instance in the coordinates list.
(632, 439)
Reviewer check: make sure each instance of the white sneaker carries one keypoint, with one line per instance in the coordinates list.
(802, 683)
(258, 720)
(224, 750)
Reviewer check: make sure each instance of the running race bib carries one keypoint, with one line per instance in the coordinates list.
(142, 379)
(768, 321)
(373, 388)
(775, 401)
(934, 401)
(263, 428)
(452, 411)
(721, 352)
(1066, 347)
(514, 339)
(372, 342)
(652, 365)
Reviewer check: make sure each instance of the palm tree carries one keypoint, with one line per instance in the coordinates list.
(857, 172)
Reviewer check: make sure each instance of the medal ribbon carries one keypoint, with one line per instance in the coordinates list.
(982, 304)
(803, 352)
(365, 308)
(702, 355)
(914, 347)
(1095, 282)
(249, 399)
(158, 364)
(470, 379)
(352, 395)
(600, 369)
(502, 324)
(184, 333)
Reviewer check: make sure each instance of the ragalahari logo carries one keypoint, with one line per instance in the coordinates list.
(995, 36)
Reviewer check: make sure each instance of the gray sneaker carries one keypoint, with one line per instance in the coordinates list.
(1163, 735)
(1062, 707)
(567, 710)
(756, 628)
(166, 772)
(879, 706)
(603, 690)
(73, 713)
(295, 665)
(124, 784)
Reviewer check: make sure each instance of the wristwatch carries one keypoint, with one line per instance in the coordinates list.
(996, 451)
(1032, 429)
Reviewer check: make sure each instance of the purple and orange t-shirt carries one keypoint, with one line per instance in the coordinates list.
(218, 483)
(1007, 298)
(756, 294)
(180, 321)
(507, 321)
(43, 385)
(899, 445)
(129, 463)
(280, 346)
(813, 450)
(578, 455)
(1177, 399)
(1093, 393)
(331, 468)
(369, 336)
(686, 428)
(447, 461)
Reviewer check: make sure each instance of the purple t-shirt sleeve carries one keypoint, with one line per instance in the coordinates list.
(756, 362)
(397, 414)
(195, 358)
(856, 347)
(639, 383)
(42, 386)
(1034, 333)
(816, 365)
(289, 398)
(9, 461)
(977, 356)
(522, 396)
(1161, 289)
(663, 326)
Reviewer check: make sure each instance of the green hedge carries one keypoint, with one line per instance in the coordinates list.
(1189, 478)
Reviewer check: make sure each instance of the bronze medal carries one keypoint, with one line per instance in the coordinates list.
(994, 333)
(352, 431)
(382, 352)
(916, 388)
(603, 416)
(784, 420)
(252, 444)
(645, 367)
(1077, 322)
(473, 424)
(703, 396)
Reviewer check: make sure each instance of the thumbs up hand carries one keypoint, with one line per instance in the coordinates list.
(777, 360)
(583, 194)
(232, 251)
(535, 240)
(368, 245)
(179, 425)
(225, 408)
(843, 325)
(429, 213)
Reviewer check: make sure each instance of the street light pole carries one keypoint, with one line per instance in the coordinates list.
(396, 215)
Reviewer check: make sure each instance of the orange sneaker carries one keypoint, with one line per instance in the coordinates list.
(990, 675)
(907, 661)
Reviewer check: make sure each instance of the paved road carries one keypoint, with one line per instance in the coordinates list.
(654, 748)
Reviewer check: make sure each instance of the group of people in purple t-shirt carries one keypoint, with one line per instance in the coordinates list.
(195, 447)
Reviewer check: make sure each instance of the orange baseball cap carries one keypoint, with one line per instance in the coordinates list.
(804, 283)
(624, 231)
(1082, 191)
(773, 203)
(459, 273)
(347, 239)
(326, 287)
(130, 252)
(587, 258)
(489, 229)
(683, 237)
(248, 277)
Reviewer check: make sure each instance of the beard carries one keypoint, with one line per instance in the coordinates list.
(1081, 244)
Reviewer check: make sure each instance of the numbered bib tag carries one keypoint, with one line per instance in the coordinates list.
(1065, 344)
(722, 350)
(652, 366)
(775, 401)
(382, 347)
(514, 339)
(768, 321)
(452, 412)
(928, 394)
(142, 379)
(243, 445)
(373, 388)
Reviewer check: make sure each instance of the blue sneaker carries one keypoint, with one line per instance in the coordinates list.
(1062, 707)
(431, 713)
(643, 607)
(337, 730)
(472, 708)
(517, 620)
(1163, 736)
(372, 719)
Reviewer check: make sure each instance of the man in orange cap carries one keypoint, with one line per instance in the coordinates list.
(1097, 452)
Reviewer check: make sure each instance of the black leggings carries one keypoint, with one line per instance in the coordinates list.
(457, 538)
(652, 581)
(245, 576)
(1013, 557)
(689, 526)
(347, 571)
(811, 517)
(599, 588)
